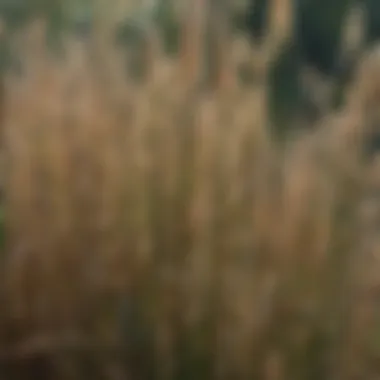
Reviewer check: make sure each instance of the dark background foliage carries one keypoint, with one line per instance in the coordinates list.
(318, 26)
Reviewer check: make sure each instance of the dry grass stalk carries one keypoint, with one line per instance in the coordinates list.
(171, 224)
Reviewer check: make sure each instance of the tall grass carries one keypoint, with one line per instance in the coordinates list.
(156, 230)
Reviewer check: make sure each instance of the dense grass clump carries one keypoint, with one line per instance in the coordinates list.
(158, 230)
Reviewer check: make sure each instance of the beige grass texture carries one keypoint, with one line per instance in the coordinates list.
(155, 230)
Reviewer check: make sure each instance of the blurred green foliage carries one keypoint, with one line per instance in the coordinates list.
(17, 12)
(318, 27)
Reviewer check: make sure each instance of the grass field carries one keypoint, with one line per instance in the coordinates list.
(158, 230)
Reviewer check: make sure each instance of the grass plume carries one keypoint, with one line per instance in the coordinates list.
(156, 230)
